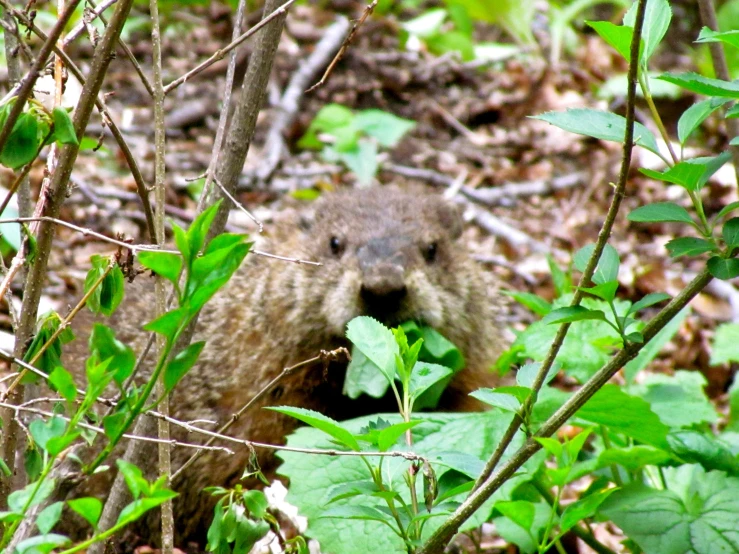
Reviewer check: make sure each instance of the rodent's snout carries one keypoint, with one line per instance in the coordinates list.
(382, 262)
(383, 291)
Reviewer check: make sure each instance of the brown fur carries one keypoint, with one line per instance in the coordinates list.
(274, 314)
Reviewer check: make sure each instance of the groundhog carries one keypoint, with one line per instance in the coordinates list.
(384, 252)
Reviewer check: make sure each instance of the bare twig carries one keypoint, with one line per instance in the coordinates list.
(340, 54)
(323, 356)
(274, 14)
(287, 109)
(239, 205)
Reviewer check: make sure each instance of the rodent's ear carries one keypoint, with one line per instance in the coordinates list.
(450, 218)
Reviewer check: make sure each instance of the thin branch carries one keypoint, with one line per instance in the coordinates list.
(340, 54)
(280, 11)
(324, 357)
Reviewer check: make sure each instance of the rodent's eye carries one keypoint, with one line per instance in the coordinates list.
(336, 246)
(429, 251)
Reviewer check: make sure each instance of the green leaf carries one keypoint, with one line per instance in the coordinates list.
(601, 125)
(199, 228)
(132, 476)
(11, 232)
(210, 272)
(47, 325)
(604, 291)
(321, 422)
(526, 374)
(727, 37)
(696, 447)
(607, 269)
(617, 36)
(356, 512)
(626, 414)
(363, 376)
(360, 159)
(697, 512)
(505, 402)
(387, 438)
(679, 399)
(688, 246)
(139, 507)
(727, 209)
(695, 115)
(425, 376)
(162, 263)
(659, 212)
(656, 22)
(648, 300)
(41, 544)
(703, 85)
(48, 517)
(168, 323)
(582, 509)
(532, 301)
(725, 344)
(526, 538)
(63, 127)
(693, 174)
(25, 498)
(561, 280)
(108, 295)
(22, 143)
(722, 268)
(181, 364)
(104, 346)
(89, 508)
(518, 511)
(572, 314)
(730, 232)
(55, 445)
(634, 458)
(42, 431)
(376, 342)
(62, 382)
(383, 126)
(654, 346)
(332, 119)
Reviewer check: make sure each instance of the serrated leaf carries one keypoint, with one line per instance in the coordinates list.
(660, 212)
(703, 85)
(582, 509)
(657, 17)
(321, 422)
(376, 342)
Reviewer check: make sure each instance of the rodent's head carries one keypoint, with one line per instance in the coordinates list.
(389, 254)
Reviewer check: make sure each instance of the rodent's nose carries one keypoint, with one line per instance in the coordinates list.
(383, 289)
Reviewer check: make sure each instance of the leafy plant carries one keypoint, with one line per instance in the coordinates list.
(353, 138)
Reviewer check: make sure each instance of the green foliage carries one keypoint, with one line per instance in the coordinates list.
(353, 138)
(108, 294)
(34, 128)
